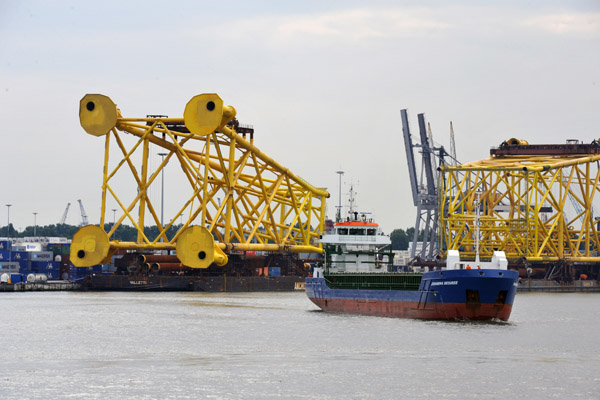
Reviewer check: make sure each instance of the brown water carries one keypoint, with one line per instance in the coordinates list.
(114, 345)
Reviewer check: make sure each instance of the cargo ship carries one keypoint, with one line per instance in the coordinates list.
(358, 278)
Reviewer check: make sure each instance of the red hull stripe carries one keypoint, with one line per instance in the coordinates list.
(409, 309)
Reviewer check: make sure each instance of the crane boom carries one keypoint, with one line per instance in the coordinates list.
(84, 218)
(64, 216)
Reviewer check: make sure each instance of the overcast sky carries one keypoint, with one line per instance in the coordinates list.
(322, 82)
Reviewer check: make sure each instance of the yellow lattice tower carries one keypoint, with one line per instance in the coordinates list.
(264, 207)
(536, 203)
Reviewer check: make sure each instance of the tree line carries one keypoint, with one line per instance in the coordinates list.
(123, 233)
(399, 237)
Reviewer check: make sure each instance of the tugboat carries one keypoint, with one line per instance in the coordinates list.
(358, 278)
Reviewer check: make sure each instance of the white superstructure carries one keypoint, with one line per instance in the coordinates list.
(356, 243)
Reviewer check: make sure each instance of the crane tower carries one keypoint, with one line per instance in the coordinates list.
(237, 197)
(425, 189)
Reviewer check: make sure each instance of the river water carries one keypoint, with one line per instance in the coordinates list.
(113, 345)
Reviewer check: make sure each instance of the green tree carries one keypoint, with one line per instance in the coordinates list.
(399, 239)
(410, 232)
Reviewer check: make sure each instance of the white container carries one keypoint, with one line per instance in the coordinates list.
(41, 256)
(32, 246)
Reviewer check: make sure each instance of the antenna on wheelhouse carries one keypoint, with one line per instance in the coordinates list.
(351, 199)
(353, 215)
(338, 215)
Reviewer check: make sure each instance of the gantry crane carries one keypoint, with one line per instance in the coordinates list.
(524, 193)
(424, 191)
(238, 198)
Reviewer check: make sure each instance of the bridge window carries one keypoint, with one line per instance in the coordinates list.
(356, 231)
(371, 232)
(342, 231)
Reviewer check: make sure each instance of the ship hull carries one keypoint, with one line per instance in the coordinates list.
(442, 295)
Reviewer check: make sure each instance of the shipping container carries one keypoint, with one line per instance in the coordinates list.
(32, 246)
(53, 275)
(59, 248)
(16, 278)
(25, 264)
(66, 249)
(5, 245)
(18, 247)
(44, 266)
(19, 256)
(56, 250)
(41, 256)
(275, 271)
(5, 255)
(9, 267)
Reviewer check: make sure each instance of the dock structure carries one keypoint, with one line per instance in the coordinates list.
(536, 203)
(39, 286)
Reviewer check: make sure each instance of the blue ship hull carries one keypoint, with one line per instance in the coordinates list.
(465, 294)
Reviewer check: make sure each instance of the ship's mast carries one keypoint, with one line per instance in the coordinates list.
(477, 203)
(351, 199)
(338, 215)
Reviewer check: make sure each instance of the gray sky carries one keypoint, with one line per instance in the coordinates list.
(322, 83)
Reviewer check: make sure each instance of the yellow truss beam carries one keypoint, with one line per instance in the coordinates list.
(535, 207)
(264, 207)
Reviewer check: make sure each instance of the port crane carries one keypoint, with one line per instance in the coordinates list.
(84, 218)
(424, 189)
(237, 197)
(63, 219)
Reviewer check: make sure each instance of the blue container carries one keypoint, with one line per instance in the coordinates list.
(16, 278)
(5, 245)
(45, 266)
(19, 256)
(97, 268)
(275, 271)
(24, 264)
(4, 255)
(53, 275)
